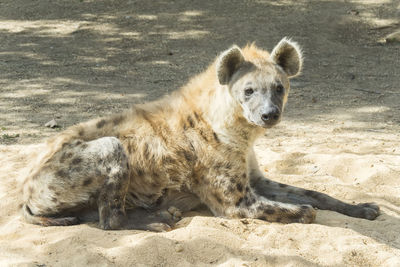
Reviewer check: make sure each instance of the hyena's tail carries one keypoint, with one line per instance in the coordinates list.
(47, 221)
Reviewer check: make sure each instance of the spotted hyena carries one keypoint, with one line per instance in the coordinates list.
(194, 146)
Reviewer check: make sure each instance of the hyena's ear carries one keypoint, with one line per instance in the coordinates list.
(287, 54)
(228, 63)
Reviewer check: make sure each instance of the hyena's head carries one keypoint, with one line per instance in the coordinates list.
(259, 81)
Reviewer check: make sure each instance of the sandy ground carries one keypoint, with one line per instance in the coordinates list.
(76, 60)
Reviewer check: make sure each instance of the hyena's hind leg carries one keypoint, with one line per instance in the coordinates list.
(81, 174)
(164, 216)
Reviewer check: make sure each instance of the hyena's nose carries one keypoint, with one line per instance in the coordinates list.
(271, 116)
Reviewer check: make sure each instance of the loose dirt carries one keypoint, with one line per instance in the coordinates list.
(75, 60)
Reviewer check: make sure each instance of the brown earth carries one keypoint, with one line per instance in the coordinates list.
(76, 60)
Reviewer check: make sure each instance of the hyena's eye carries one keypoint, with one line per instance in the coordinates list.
(248, 91)
(280, 89)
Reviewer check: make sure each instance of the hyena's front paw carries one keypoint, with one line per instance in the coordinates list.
(175, 213)
(365, 210)
(171, 216)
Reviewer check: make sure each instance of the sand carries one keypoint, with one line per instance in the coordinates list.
(75, 60)
(353, 168)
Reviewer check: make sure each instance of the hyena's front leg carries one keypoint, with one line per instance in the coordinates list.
(295, 195)
(79, 175)
(111, 200)
(256, 206)
(236, 199)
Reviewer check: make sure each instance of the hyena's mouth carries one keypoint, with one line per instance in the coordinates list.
(265, 125)
(270, 124)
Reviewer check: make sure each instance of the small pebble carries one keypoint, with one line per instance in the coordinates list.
(52, 124)
(178, 248)
(244, 221)
(223, 224)
(353, 12)
(393, 37)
